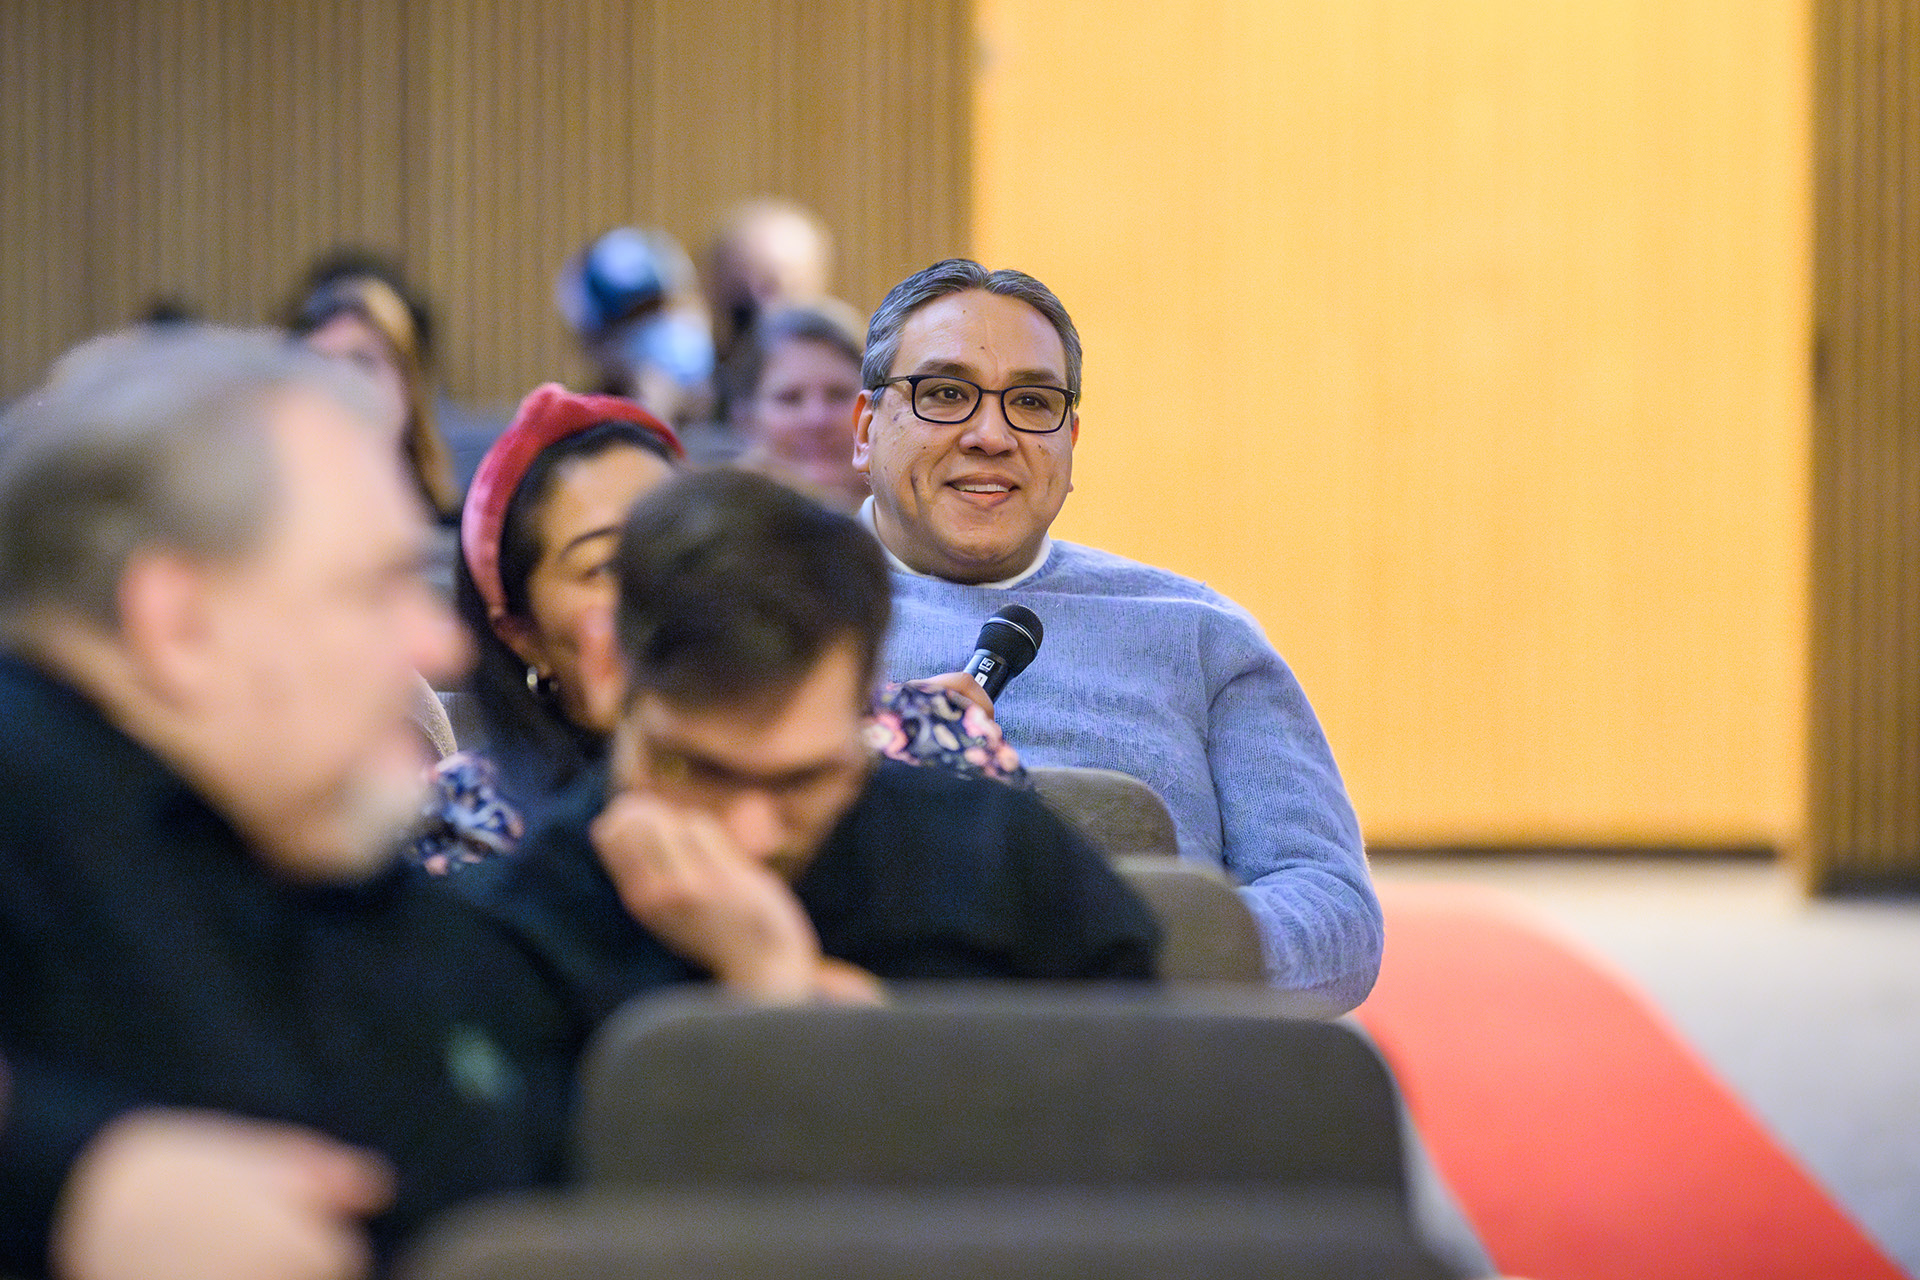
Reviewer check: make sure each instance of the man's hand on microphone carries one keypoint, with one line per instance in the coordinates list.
(957, 682)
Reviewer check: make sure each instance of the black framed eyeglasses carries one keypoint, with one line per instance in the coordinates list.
(942, 397)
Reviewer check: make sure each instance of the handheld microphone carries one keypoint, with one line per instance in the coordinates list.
(1006, 645)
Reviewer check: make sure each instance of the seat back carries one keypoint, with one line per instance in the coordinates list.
(966, 1132)
(870, 1234)
(978, 1085)
(1118, 812)
(1207, 933)
(463, 713)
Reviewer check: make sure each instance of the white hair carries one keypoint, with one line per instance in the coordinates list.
(145, 437)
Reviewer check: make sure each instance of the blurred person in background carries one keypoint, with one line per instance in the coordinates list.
(350, 260)
(791, 383)
(466, 429)
(631, 298)
(363, 321)
(765, 254)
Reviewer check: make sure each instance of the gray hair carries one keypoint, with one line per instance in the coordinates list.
(144, 438)
(957, 275)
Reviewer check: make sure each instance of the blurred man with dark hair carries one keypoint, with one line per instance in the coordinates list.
(744, 830)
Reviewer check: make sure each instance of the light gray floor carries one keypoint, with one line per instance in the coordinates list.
(1809, 1010)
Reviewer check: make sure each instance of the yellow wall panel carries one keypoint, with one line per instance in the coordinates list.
(1466, 344)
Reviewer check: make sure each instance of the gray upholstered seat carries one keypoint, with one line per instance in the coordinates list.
(969, 1131)
(1117, 811)
(869, 1233)
(988, 1085)
(1207, 932)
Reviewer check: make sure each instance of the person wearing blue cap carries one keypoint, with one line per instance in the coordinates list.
(632, 299)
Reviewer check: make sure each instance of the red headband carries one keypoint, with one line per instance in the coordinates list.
(550, 413)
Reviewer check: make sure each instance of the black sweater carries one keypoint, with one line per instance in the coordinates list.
(148, 958)
(928, 875)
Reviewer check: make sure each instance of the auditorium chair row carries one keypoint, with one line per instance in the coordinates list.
(967, 1131)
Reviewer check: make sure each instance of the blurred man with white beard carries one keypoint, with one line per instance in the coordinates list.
(212, 623)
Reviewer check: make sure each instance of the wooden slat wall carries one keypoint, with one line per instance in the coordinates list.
(208, 148)
(230, 137)
(514, 161)
(199, 149)
(663, 114)
(44, 268)
(1864, 766)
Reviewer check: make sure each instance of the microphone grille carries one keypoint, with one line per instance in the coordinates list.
(1014, 632)
(1024, 618)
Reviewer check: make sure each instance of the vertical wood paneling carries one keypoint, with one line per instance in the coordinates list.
(541, 126)
(1864, 762)
(524, 147)
(201, 149)
(221, 128)
(45, 272)
(209, 148)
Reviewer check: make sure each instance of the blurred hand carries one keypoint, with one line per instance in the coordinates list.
(184, 1195)
(838, 982)
(958, 682)
(683, 877)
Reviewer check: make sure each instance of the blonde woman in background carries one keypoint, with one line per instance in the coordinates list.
(364, 321)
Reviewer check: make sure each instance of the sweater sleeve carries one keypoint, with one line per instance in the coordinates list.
(1289, 831)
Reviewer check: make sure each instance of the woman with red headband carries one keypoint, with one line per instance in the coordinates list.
(542, 517)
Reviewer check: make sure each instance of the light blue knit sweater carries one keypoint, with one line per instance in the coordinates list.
(1161, 677)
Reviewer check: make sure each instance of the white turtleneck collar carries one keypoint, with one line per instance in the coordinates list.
(1040, 557)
